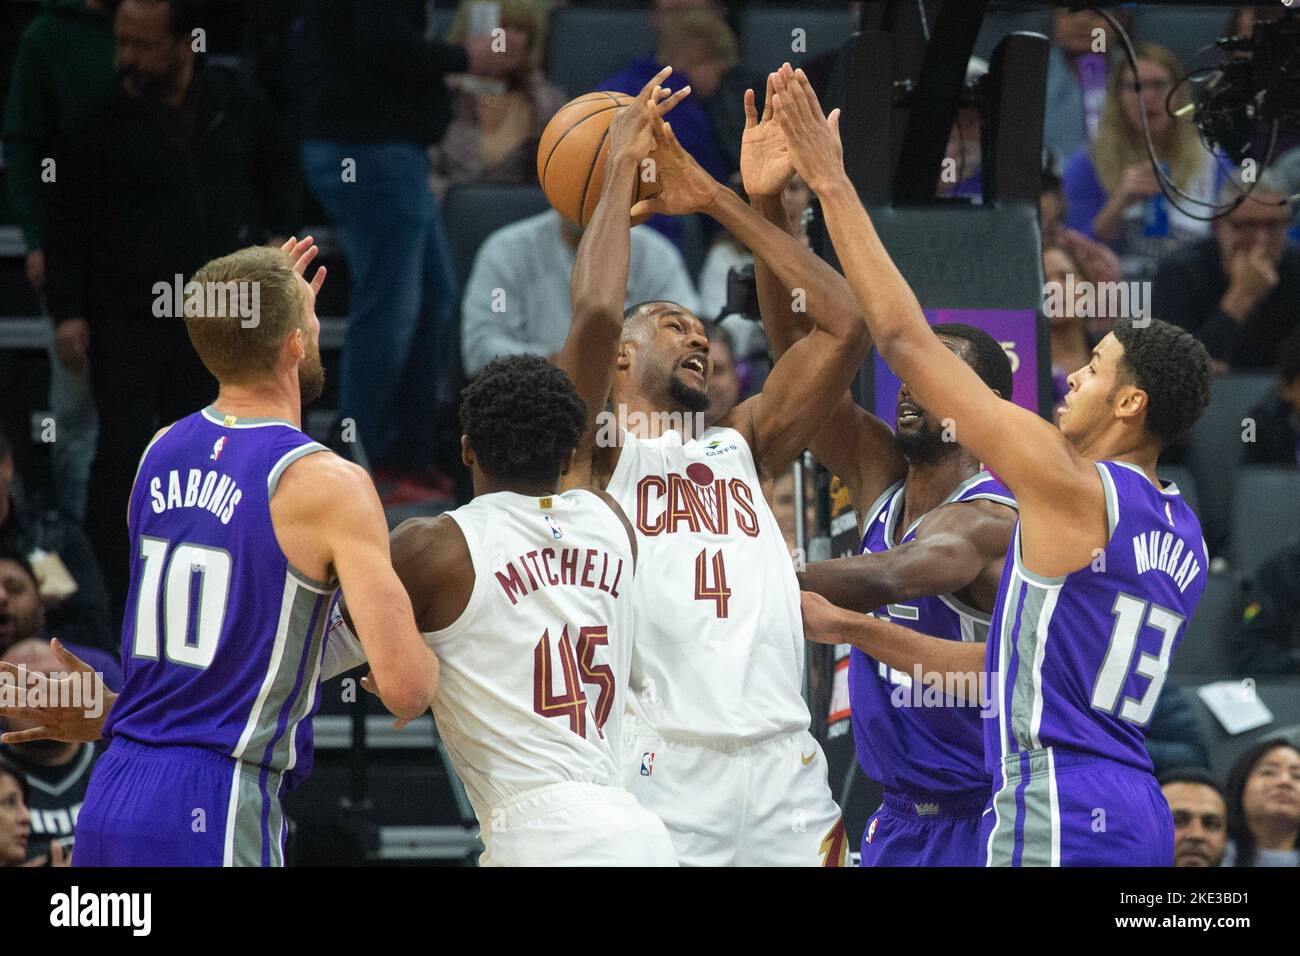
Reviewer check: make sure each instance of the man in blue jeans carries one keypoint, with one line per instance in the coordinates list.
(376, 98)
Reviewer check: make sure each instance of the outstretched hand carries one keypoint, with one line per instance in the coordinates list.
(765, 166)
(812, 138)
(70, 722)
(302, 252)
(684, 186)
(632, 133)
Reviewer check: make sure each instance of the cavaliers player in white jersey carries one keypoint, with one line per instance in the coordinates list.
(525, 595)
(716, 737)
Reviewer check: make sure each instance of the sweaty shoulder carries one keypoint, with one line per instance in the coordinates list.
(432, 560)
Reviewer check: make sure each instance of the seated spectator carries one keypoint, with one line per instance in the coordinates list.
(58, 773)
(517, 295)
(1111, 191)
(725, 383)
(1237, 291)
(1268, 641)
(71, 587)
(1200, 816)
(1072, 343)
(1097, 261)
(496, 125)
(960, 172)
(1076, 80)
(15, 820)
(1173, 737)
(22, 617)
(1277, 418)
(701, 49)
(1264, 806)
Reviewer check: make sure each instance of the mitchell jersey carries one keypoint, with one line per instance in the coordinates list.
(222, 637)
(533, 674)
(1078, 661)
(719, 649)
(906, 740)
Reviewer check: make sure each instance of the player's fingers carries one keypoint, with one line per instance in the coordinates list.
(767, 97)
(318, 280)
(69, 659)
(667, 105)
(643, 210)
(25, 736)
(304, 260)
(751, 117)
(657, 80)
(833, 122)
(289, 244)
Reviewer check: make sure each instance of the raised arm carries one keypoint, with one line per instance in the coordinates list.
(1054, 485)
(599, 284)
(953, 547)
(854, 444)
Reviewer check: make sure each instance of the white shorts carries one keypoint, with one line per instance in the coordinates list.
(574, 824)
(728, 803)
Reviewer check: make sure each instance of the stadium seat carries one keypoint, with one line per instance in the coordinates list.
(1185, 30)
(1280, 695)
(998, 23)
(575, 63)
(767, 35)
(1265, 515)
(1214, 448)
(1204, 648)
(1182, 476)
(473, 211)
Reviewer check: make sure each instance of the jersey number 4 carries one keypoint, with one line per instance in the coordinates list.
(579, 670)
(191, 628)
(717, 592)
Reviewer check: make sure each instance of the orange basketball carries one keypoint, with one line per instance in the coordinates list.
(572, 153)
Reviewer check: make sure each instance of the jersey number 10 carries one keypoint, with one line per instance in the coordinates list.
(173, 598)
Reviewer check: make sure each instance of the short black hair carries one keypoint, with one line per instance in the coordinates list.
(1172, 367)
(633, 310)
(1191, 775)
(8, 768)
(20, 559)
(984, 355)
(523, 418)
(1288, 360)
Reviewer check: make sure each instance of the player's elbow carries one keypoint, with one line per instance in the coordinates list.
(412, 691)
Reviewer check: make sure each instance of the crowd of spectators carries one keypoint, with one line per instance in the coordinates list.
(166, 158)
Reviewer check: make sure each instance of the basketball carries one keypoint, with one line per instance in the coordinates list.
(572, 152)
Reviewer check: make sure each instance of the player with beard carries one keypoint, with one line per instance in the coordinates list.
(1105, 568)
(716, 739)
(241, 529)
(936, 529)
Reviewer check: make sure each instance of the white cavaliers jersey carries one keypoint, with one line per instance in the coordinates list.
(719, 649)
(534, 671)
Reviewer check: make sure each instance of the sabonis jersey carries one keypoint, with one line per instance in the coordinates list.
(719, 650)
(222, 638)
(533, 673)
(906, 740)
(1078, 661)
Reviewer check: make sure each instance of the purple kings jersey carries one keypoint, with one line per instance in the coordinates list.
(222, 639)
(1077, 662)
(905, 740)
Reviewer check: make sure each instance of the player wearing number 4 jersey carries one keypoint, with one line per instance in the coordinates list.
(1105, 568)
(526, 596)
(240, 527)
(716, 740)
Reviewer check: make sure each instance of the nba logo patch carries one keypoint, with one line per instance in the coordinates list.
(556, 533)
(1169, 513)
(217, 447)
(647, 763)
(871, 830)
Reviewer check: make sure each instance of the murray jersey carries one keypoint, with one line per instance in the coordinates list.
(534, 672)
(1078, 661)
(907, 738)
(222, 637)
(719, 649)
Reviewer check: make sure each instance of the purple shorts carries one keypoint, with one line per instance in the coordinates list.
(915, 830)
(178, 806)
(1059, 808)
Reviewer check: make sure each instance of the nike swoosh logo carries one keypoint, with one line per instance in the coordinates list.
(808, 759)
